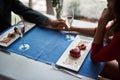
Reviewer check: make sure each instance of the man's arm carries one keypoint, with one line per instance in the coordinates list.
(28, 14)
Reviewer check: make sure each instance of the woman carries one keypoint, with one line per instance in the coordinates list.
(111, 52)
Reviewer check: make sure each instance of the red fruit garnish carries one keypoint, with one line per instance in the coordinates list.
(82, 47)
(11, 35)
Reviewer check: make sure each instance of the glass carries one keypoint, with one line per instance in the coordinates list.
(69, 17)
(20, 29)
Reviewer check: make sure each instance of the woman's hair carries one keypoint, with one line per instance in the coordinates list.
(117, 9)
(115, 27)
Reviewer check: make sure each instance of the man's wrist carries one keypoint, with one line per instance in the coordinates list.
(48, 21)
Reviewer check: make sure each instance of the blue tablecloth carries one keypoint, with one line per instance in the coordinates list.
(48, 45)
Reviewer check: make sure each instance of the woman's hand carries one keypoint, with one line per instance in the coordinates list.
(106, 16)
(103, 21)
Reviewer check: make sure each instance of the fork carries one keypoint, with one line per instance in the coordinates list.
(66, 71)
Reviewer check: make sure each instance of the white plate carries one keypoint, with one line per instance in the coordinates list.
(69, 62)
(11, 30)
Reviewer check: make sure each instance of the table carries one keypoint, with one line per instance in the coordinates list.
(22, 68)
(10, 65)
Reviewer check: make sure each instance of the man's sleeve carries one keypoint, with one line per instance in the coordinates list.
(28, 14)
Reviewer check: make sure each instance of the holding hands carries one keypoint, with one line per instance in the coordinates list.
(57, 24)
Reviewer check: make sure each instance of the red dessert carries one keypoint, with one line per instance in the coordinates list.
(82, 47)
(16, 31)
(75, 52)
(12, 35)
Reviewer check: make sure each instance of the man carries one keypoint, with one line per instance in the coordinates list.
(7, 6)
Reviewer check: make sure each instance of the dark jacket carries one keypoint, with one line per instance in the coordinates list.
(7, 6)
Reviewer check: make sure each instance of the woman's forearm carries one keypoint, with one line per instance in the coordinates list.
(84, 31)
(99, 36)
(102, 23)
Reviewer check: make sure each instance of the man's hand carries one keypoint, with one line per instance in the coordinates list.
(57, 24)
